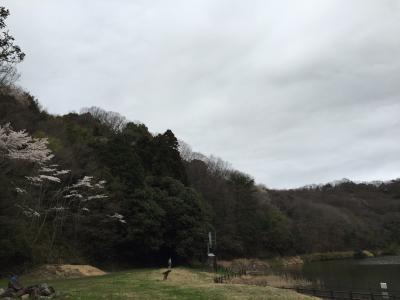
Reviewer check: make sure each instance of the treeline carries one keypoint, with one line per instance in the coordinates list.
(147, 198)
(344, 216)
(255, 221)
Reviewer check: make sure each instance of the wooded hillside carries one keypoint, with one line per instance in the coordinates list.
(114, 193)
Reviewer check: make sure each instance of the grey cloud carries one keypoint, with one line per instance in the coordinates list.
(292, 92)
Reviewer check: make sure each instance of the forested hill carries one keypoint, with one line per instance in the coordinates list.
(114, 193)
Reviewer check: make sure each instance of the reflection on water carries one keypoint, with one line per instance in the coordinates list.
(385, 260)
(350, 274)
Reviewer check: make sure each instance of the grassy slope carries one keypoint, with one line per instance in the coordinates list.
(147, 284)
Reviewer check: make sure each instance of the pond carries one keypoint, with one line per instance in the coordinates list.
(349, 274)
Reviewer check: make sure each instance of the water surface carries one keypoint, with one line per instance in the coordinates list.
(350, 274)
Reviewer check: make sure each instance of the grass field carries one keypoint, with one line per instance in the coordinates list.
(148, 284)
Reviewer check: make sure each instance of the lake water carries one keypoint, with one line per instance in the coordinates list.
(350, 274)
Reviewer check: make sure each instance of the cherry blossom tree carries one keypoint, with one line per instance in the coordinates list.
(52, 200)
(46, 196)
(20, 145)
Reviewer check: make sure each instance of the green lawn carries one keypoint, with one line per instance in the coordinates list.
(147, 284)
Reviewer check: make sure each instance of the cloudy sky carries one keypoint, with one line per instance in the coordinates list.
(292, 92)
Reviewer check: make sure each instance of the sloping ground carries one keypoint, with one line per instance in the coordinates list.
(148, 284)
(65, 271)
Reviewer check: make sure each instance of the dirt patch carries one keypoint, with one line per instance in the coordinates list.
(65, 271)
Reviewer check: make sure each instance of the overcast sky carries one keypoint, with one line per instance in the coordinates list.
(291, 92)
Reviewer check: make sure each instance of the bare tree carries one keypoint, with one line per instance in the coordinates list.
(218, 166)
(8, 74)
(115, 121)
(188, 154)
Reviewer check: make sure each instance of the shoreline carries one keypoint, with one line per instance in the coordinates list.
(255, 264)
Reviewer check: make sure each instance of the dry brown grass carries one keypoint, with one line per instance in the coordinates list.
(287, 261)
(65, 271)
(271, 280)
(244, 263)
(260, 265)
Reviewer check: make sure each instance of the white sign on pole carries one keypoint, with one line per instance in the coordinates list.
(385, 294)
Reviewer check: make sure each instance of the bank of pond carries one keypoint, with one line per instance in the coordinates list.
(347, 274)
(357, 271)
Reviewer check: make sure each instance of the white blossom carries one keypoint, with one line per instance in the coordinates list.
(20, 191)
(50, 178)
(34, 180)
(85, 209)
(73, 195)
(84, 182)
(62, 172)
(97, 197)
(19, 145)
(118, 217)
(47, 170)
(100, 184)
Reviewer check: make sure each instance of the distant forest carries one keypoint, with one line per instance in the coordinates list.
(94, 187)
